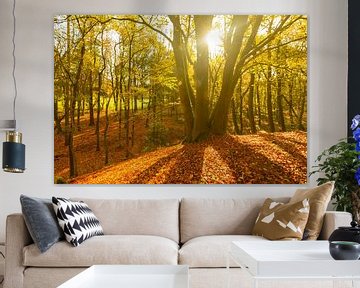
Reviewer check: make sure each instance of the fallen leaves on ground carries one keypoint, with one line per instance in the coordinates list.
(263, 158)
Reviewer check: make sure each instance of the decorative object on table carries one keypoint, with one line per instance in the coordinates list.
(13, 149)
(341, 163)
(279, 221)
(180, 99)
(344, 233)
(77, 220)
(319, 198)
(41, 221)
(344, 250)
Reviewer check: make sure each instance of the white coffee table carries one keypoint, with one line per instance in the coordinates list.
(131, 276)
(293, 260)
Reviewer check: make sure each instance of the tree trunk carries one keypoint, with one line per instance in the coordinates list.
(269, 99)
(83, 107)
(268, 88)
(258, 104)
(251, 104)
(300, 126)
(72, 156)
(241, 100)
(98, 109)
(233, 68)
(201, 115)
(78, 113)
(58, 127)
(121, 100)
(128, 100)
(185, 89)
(106, 145)
(127, 120)
(291, 114)
(68, 86)
(233, 44)
(91, 101)
(119, 120)
(279, 104)
(234, 117)
(100, 75)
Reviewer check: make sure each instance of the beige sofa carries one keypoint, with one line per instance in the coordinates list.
(194, 232)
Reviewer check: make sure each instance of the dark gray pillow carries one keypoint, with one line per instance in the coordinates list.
(41, 221)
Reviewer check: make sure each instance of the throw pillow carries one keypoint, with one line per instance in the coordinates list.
(77, 220)
(279, 221)
(41, 222)
(319, 198)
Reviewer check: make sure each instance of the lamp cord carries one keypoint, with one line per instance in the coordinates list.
(14, 59)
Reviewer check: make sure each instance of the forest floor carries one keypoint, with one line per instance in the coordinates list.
(263, 158)
(89, 159)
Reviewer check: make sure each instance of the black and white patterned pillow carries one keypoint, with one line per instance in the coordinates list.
(77, 220)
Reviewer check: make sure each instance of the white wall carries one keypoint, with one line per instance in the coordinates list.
(327, 89)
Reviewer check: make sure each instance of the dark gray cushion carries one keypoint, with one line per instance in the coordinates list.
(41, 221)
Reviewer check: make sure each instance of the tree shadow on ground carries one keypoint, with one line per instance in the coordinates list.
(285, 144)
(146, 175)
(187, 168)
(183, 166)
(249, 165)
(292, 140)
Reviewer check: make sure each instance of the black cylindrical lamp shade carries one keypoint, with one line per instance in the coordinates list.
(13, 157)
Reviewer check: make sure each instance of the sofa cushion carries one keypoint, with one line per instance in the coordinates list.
(158, 217)
(211, 251)
(77, 220)
(279, 221)
(107, 249)
(201, 217)
(319, 198)
(41, 221)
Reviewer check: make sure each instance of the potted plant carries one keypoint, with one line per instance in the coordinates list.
(341, 163)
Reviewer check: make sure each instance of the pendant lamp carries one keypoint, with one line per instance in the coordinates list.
(13, 158)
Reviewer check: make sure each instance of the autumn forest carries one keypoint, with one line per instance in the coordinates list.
(180, 99)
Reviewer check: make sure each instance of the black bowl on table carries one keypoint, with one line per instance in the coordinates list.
(344, 250)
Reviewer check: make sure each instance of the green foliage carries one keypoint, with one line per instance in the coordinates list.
(157, 136)
(339, 163)
(60, 180)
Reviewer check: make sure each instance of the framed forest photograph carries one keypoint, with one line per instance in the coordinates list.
(180, 99)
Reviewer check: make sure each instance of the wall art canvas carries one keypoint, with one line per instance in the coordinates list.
(180, 99)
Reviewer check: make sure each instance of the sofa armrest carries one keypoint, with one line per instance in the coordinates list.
(17, 237)
(333, 220)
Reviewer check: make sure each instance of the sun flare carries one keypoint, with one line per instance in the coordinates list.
(214, 41)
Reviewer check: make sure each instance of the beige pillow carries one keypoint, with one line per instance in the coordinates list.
(319, 198)
(279, 221)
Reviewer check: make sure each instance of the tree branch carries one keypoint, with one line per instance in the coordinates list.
(143, 22)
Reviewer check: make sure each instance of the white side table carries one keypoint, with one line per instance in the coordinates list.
(294, 262)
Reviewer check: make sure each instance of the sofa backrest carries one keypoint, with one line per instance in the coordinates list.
(200, 217)
(159, 217)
